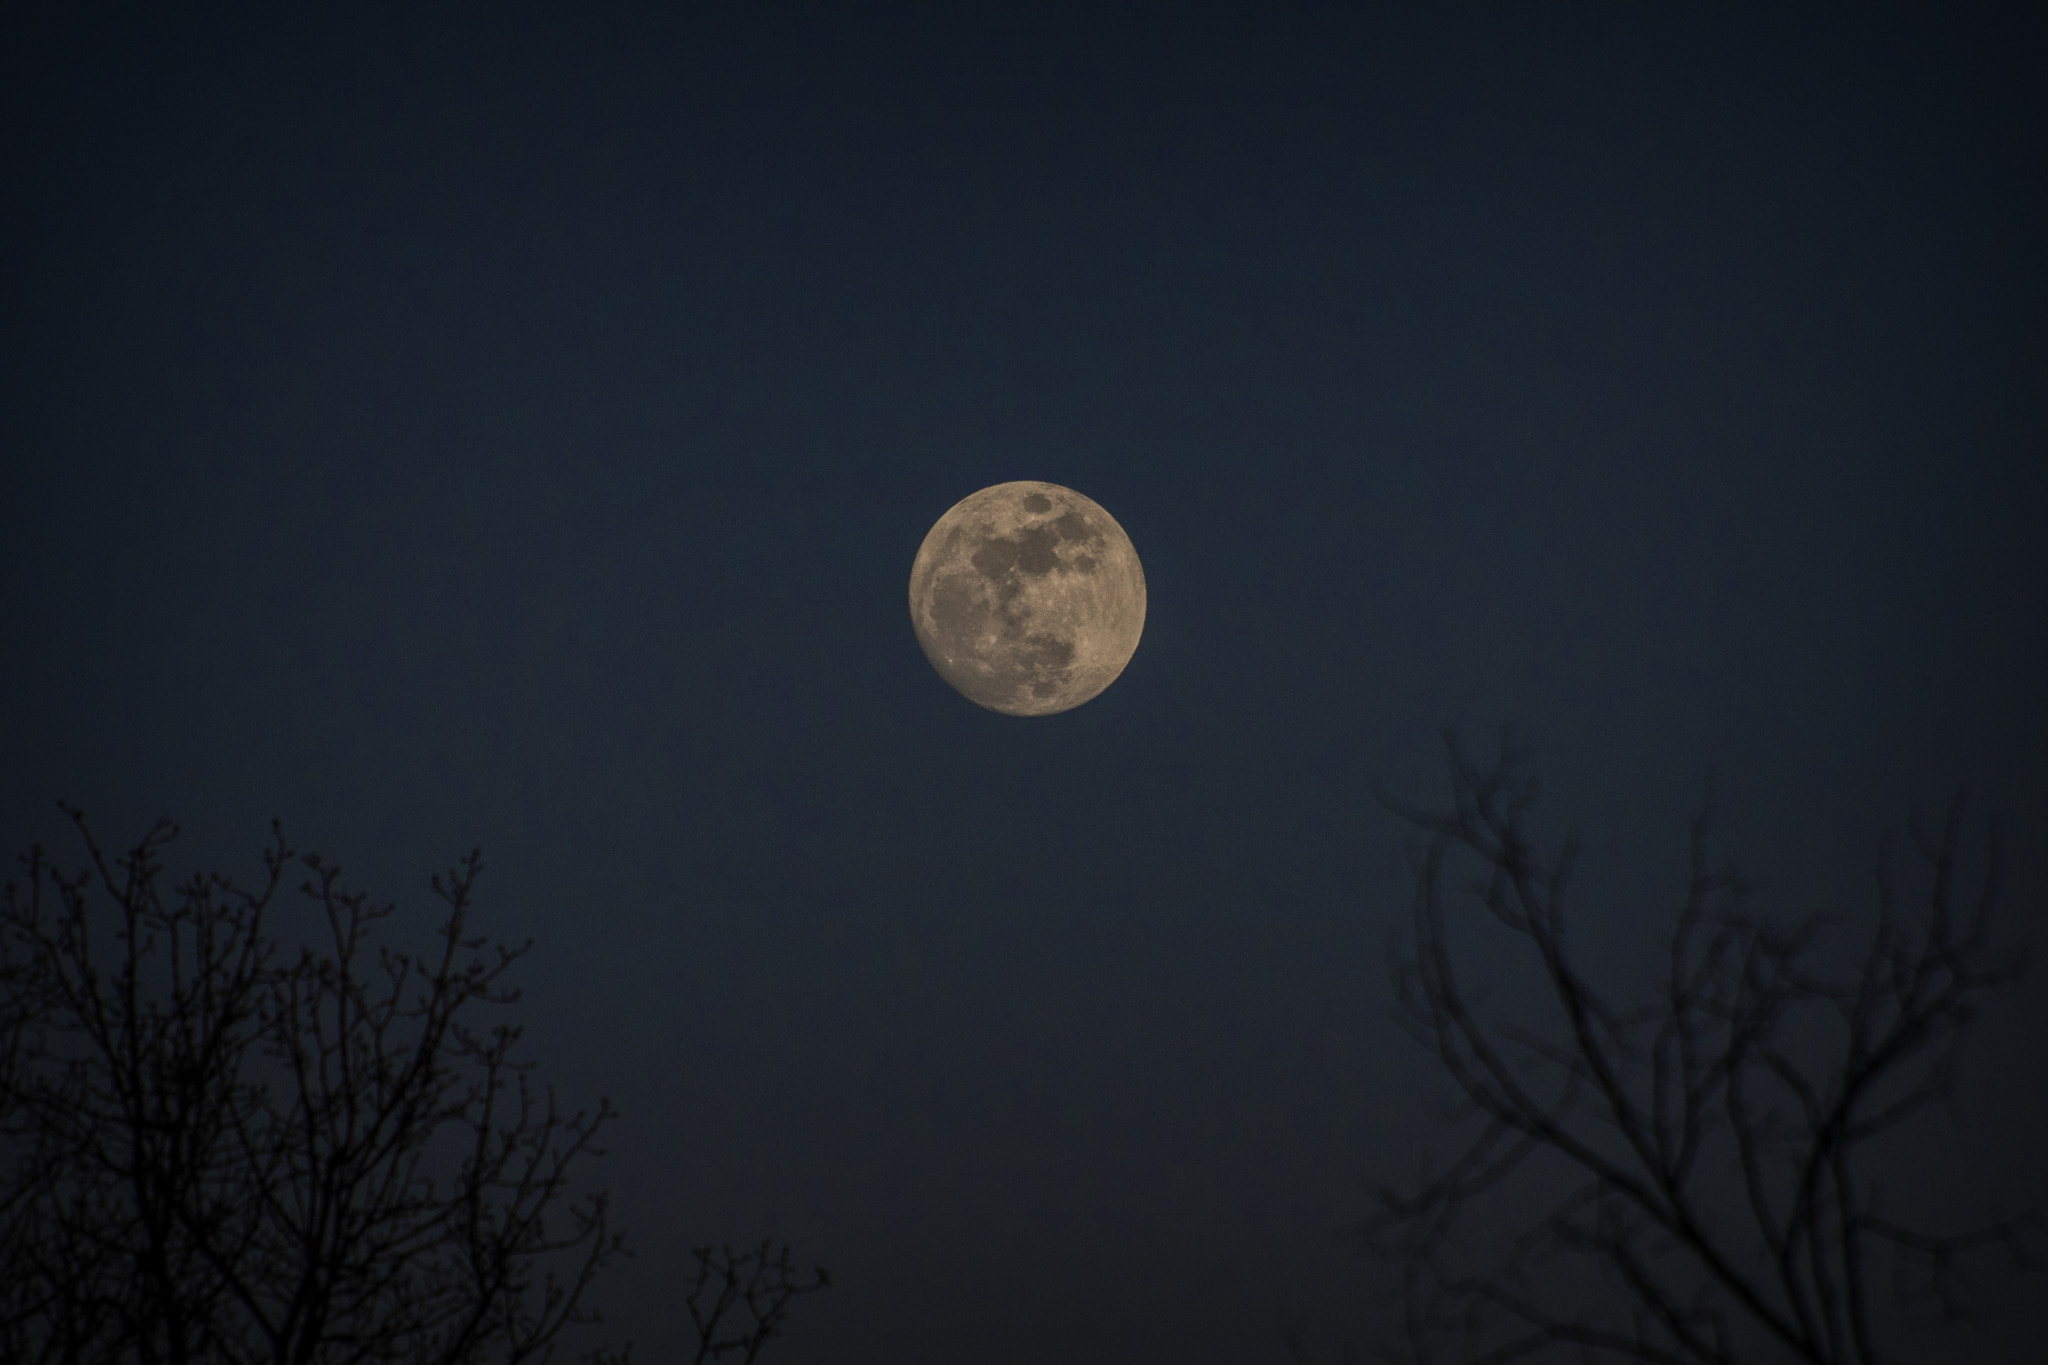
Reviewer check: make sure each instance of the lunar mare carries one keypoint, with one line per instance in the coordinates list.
(1028, 598)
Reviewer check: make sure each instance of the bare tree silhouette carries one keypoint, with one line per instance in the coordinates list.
(763, 1284)
(1692, 1179)
(219, 1150)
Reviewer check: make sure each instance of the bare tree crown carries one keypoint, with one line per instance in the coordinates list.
(218, 1149)
(1701, 1167)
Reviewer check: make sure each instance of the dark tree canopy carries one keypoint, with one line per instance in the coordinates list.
(1692, 1180)
(220, 1148)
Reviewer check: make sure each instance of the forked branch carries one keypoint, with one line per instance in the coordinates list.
(1714, 1140)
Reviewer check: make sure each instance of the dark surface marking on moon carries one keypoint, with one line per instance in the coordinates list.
(1030, 551)
(1045, 653)
(1037, 502)
(1074, 526)
(957, 609)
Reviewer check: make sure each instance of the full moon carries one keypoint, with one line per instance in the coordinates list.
(1027, 598)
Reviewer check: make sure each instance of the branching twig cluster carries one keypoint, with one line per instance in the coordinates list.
(216, 1149)
(1706, 1159)
(760, 1282)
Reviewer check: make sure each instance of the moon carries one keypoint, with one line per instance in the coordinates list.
(1028, 598)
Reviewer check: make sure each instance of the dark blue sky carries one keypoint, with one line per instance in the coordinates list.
(513, 427)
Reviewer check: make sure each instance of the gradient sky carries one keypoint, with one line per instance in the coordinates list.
(513, 427)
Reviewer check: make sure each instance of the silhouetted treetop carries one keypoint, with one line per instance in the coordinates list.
(218, 1147)
(1689, 1180)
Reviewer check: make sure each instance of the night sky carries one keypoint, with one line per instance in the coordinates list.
(513, 428)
